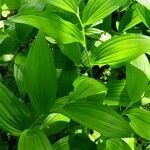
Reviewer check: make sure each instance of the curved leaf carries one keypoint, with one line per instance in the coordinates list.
(54, 123)
(95, 10)
(119, 50)
(33, 139)
(14, 116)
(137, 72)
(68, 5)
(75, 142)
(102, 119)
(85, 87)
(41, 75)
(59, 29)
(140, 122)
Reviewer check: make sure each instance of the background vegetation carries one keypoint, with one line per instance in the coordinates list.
(74, 75)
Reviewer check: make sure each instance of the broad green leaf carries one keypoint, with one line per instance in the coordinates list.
(137, 74)
(19, 73)
(113, 142)
(41, 75)
(54, 123)
(72, 51)
(140, 122)
(14, 116)
(143, 13)
(75, 142)
(95, 10)
(117, 93)
(33, 138)
(68, 5)
(130, 19)
(117, 51)
(65, 81)
(145, 3)
(85, 87)
(59, 29)
(99, 118)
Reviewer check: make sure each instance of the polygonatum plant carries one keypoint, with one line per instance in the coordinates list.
(74, 74)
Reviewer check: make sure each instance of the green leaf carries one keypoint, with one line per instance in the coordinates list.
(75, 142)
(140, 122)
(3, 35)
(102, 119)
(85, 87)
(95, 10)
(146, 97)
(54, 123)
(33, 139)
(145, 3)
(130, 19)
(72, 51)
(41, 75)
(117, 93)
(13, 4)
(113, 142)
(65, 81)
(19, 73)
(68, 5)
(59, 29)
(143, 13)
(137, 72)
(117, 51)
(14, 116)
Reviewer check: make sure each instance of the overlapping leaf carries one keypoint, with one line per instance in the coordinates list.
(121, 49)
(95, 10)
(145, 3)
(76, 142)
(14, 116)
(138, 75)
(140, 122)
(41, 75)
(102, 119)
(85, 87)
(33, 139)
(68, 5)
(117, 93)
(54, 26)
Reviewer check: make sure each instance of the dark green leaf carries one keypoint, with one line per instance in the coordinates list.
(75, 142)
(41, 75)
(14, 116)
(33, 139)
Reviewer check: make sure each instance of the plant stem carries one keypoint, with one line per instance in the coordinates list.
(84, 45)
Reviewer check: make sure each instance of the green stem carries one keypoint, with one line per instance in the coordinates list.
(85, 46)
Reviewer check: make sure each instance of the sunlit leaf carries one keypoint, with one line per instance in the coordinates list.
(59, 29)
(68, 5)
(95, 10)
(140, 122)
(121, 49)
(137, 72)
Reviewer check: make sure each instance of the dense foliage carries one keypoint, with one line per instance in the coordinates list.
(74, 74)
